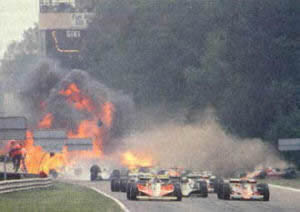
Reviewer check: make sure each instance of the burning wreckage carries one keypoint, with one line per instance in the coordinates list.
(91, 117)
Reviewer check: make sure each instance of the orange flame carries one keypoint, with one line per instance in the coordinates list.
(89, 129)
(38, 160)
(77, 99)
(46, 122)
(132, 161)
(107, 112)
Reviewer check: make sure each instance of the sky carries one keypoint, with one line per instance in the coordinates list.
(15, 17)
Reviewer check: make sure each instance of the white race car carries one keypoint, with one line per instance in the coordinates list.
(193, 185)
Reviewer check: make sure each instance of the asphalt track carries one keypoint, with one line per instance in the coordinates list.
(281, 200)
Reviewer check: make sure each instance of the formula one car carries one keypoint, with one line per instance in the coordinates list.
(155, 188)
(243, 189)
(288, 173)
(193, 185)
(96, 173)
(129, 176)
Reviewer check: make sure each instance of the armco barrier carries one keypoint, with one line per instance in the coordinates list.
(26, 184)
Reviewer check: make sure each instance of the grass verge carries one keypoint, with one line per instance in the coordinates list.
(293, 183)
(60, 197)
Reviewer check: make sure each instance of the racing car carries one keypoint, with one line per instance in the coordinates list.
(155, 188)
(96, 173)
(193, 185)
(128, 176)
(243, 189)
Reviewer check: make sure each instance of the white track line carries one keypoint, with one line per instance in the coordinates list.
(285, 188)
(111, 197)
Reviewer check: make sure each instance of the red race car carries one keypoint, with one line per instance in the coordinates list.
(157, 188)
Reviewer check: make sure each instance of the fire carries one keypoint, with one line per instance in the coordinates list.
(38, 160)
(132, 161)
(107, 113)
(46, 122)
(76, 98)
(89, 129)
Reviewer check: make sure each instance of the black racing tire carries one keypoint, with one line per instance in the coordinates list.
(115, 185)
(123, 185)
(218, 184)
(177, 192)
(112, 185)
(203, 189)
(95, 168)
(133, 192)
(214, 183)
(226, 191)
(116, 173)
(264, 190)
(219, 188)
(93, 176)
(128, 191)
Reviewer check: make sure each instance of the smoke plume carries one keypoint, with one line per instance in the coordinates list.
(202, 146)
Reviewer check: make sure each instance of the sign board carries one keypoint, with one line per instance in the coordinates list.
(53, 134)
(79, 144)
(50, 145)
(289, 144)
(50, 140)
(49, 21)
(13, 128)
(13, 123)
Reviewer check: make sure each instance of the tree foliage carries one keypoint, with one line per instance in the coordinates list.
(241, 57)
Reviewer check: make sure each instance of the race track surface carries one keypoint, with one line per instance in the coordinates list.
(280, 201)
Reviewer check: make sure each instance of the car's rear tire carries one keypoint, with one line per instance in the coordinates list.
(177, 192)
(133, 192)
(203, 189)
(123, 185)
(115, 185)
(116, 173)
(112, 185)
(226, 191)
(219, 188)
(128, 191)
(264, 190)
(93, 176)
(94, 170)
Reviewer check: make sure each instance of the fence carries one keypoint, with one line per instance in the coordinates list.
(26, 184)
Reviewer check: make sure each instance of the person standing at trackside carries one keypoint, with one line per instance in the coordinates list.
(17, 154)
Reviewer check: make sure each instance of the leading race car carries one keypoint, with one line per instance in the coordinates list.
(192, 185)
(243, 189)
(156, 188)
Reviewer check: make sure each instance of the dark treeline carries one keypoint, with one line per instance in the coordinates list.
(236, 56)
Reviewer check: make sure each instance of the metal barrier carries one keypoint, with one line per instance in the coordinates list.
(27, 184)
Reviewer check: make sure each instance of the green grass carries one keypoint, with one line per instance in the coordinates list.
(293, 183)
(61, 198)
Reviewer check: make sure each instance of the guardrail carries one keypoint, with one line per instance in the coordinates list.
(27, 184)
